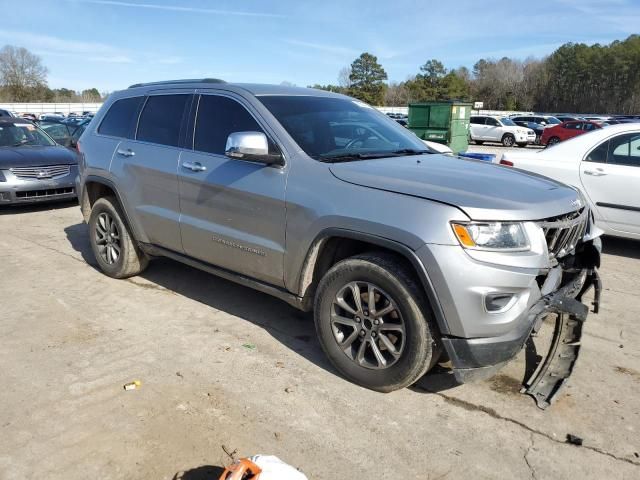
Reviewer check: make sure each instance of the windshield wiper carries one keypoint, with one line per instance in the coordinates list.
(348, 157)
(411, 151)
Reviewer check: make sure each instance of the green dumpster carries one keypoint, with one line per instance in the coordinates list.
(442, 122)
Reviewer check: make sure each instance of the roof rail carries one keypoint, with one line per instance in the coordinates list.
(170, 82)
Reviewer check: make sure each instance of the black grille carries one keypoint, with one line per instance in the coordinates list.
(564, 232)
(49, 192)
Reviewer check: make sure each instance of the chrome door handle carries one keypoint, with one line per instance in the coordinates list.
(194, 166)
(126, 153)
(595, 173)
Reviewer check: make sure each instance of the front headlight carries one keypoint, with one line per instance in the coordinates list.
(492, 236)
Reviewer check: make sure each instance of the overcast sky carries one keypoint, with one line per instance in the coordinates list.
(112, 44)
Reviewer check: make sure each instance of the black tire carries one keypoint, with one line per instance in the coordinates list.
(478, 142)
(522, 145)
(130, 259)
(508, 140)
(419, 346)
(553, 141)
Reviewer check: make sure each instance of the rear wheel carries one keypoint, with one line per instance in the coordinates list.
(478, 142)
(553, 141)
(373, 322)
(113, 246)
(508, 140)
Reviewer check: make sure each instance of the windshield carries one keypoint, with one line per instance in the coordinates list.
(553, 120)
(21, 134)
(329, 128)
(507, 122)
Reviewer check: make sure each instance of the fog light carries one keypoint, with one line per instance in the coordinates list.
(498, 302)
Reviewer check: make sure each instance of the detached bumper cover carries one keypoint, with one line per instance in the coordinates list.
(480, 358)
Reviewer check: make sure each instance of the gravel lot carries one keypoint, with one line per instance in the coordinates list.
(224, 368)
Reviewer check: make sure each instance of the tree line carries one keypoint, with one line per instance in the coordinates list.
(576, 78)
(23, 78)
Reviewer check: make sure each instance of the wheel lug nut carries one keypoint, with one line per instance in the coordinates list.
(357, 319)
(373, 334)
(376, 322)
(366, 313)
(362, 333)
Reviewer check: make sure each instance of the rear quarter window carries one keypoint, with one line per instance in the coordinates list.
(121, 117)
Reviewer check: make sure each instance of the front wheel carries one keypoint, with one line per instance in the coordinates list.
(478, 142)
(553, 141)
(113, 246)
(508, 140)
(522, 145)
(373, 322)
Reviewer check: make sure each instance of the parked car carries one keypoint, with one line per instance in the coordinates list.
(33, 168)
(57, 130)
(436, 147)
(536, 127)
(485, 128)
(566, 130)
(50, 116)
(605, 165)
(369, 231)
(568, 118)
(5, 113)
(544, 120)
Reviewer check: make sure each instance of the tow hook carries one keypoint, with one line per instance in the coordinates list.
(548, 380)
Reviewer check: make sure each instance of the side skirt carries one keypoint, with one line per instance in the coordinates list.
(291, 299)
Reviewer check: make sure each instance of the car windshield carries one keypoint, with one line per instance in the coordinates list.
(507, 122)
(22, 134)
(341, 129)
(553, 120)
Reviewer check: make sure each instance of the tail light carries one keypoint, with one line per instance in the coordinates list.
(506, 163)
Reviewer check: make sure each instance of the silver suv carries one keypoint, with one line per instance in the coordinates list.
(406, 257)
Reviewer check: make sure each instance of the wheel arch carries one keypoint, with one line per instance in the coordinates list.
(335, 244)
(95, 187)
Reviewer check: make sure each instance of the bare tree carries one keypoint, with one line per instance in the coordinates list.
(344, 75)
(20, 71)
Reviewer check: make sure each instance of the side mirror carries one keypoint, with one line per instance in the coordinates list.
(251, 146)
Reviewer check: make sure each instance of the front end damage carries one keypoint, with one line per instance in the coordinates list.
(547, 380)
(557, 293)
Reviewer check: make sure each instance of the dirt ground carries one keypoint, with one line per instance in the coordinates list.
(230, 372)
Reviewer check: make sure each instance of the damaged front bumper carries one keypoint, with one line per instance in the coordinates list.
(480, 358)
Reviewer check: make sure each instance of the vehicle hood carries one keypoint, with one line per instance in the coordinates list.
(36, 156)
(484, 191)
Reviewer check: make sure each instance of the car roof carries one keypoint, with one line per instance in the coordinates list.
(256, 89)
(15, 120)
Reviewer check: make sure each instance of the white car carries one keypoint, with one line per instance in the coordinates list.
(604, 164)
(485, 128)
(438, 147)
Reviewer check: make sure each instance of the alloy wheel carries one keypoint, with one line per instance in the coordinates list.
(367, 325)
(108, 238)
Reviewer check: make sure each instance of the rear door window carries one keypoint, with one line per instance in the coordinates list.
(625, 150)
(477, 120)
(121, 118)
(219, 116)
(492, 122)
(161, 119)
